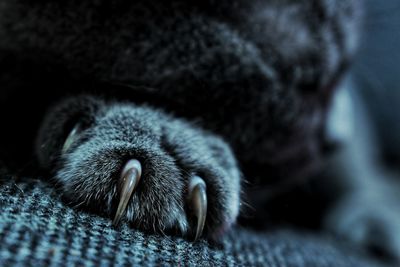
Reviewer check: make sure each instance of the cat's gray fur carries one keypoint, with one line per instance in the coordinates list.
(196, 88)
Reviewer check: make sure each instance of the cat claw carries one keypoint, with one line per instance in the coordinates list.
(198, 202)
(129, 179)
(71, 138)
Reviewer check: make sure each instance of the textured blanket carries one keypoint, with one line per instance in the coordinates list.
(38, 229)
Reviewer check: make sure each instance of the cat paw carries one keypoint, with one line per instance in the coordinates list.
(139, 165)
(370, 222)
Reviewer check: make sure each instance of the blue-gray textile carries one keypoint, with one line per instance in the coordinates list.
(38, 229)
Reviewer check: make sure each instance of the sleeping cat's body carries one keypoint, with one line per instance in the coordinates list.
(191, 91)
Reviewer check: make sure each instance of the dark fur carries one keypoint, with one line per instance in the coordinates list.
(182, 87)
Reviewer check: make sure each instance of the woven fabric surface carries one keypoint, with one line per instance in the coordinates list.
(37, 228)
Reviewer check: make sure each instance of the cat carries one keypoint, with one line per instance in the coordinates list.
(154, 112)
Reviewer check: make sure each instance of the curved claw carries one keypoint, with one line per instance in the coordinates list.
(71, 138)
(198, 203)
(129, 179)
